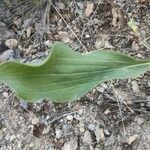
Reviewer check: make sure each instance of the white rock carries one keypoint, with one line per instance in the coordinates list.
(135, 87)
(107, 132)
(64, 36)
(12, 138)
(81, 111)
(131, 139)
(99, 44)
(100, 89)
(80, 5)
(87, 138)
(82, 127)
(59, 133)
(89, 9)
(11, 43)
(99, 133)
(87, 36)
(91, 127)
(35, 120)
(107, 111)
(29, 32)
(70, 145)
(48, 43)
(69, 117)
(140, 121)
(5, 94)
(46, 130)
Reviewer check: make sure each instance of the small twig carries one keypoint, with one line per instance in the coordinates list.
(118, 101)
(60, 117)
(69, 27)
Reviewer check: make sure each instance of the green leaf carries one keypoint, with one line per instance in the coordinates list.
(67, 75)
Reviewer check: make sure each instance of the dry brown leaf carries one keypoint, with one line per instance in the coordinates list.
(89, 9)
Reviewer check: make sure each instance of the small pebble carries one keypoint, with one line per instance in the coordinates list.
(48, 43)
(99, 133)
(29, 32)
(59, 133)
(11, 43)
(71, 145)
(69, 117)
(135, 87)
(35, 120)
(82, 127)
(24, 105)
(140, 121)
(87, 138)
(81, 111)
(131, 139)
(106, 132)
(46, 130)
(5, 94)
(91, 127)
(100, 89)
(107, 111)
(80, 5)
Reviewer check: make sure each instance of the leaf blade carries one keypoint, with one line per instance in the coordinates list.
(67, 75)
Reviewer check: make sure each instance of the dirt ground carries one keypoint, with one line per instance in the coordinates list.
(115, 115)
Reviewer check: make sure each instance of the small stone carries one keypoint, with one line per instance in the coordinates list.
(48, 43)
(135, 46)
(70, 145)
(80, 5)
(108, 45)
(99, 44)
(100, 89)
(46, 130)
(11, 43)
(89, 9)
(60, 5)
(12, 138)
(64, 36)
(81, 111)
(24, 105)
(107, 111)
(140, 121)
(35, 120)
(106, 132)
(69, 117)
(87, 138)
(29, 32)
(87, 36)
(91, 127)
(91, 148)
(97, 147)
(131, 139)
(135, 87)
(99, 133)
(5, 94)
(58, 133)
(82, 127)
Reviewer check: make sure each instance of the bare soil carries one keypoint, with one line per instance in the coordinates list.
(114, 115)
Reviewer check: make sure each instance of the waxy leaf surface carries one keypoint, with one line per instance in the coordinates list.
(67, 75)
